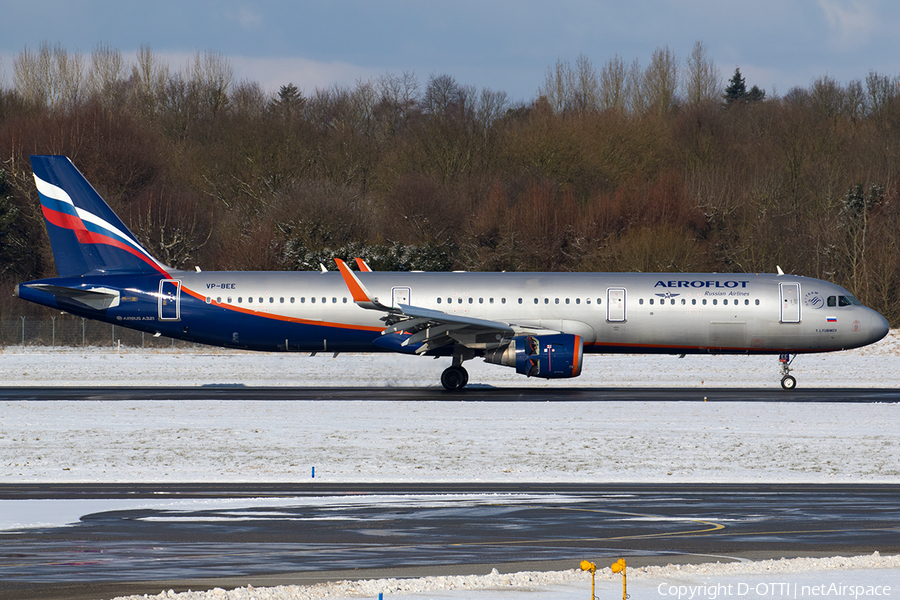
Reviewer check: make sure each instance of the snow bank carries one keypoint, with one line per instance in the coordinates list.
(774, 579)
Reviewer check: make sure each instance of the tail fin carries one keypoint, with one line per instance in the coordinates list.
(86, 235)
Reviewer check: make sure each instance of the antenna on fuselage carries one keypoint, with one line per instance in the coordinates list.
(780, 272)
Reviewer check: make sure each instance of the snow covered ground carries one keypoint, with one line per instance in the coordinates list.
(68, 441)
(859, 578)
(877, 365)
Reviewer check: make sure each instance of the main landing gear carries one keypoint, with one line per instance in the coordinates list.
(455, 377)
(788, 382)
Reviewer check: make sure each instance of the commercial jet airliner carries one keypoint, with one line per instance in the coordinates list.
(540, 324)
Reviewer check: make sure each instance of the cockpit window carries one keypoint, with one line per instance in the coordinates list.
(832, 301)
(848, 301)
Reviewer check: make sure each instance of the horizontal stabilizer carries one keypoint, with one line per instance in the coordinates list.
(98, 298)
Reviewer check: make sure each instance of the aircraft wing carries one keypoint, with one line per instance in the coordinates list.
(413, 328)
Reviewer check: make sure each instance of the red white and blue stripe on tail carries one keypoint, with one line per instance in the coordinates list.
(85, 234)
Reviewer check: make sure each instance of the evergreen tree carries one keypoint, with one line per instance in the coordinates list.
(289, 101)
(737, 89)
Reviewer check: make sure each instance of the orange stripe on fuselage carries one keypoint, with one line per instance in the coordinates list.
(285, 318)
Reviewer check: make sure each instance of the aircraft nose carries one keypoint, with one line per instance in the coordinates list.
(878, 326)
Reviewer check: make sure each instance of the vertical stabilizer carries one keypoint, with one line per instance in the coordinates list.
(86, 235)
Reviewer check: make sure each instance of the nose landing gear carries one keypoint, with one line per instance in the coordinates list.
(788, 381)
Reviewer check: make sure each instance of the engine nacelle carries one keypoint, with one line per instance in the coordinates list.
(547, 356)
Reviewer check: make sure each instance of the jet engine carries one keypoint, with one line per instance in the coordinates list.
(547, 356)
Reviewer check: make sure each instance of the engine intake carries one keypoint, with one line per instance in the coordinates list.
(548, 356)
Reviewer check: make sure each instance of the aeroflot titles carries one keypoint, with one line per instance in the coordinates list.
(699, 283)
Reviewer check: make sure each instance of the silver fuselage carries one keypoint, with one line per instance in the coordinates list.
(612, 312)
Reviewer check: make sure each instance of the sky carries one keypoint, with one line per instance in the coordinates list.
(502, 45)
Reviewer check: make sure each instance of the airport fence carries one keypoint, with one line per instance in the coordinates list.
(72, 331)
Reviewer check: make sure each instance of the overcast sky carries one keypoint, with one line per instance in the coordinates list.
(503, 45)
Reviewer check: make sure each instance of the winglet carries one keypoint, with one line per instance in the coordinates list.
(358, 291)
(363, 266)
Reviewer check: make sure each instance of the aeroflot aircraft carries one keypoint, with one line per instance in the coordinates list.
(540, 324)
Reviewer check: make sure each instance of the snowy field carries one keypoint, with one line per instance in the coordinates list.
(194, 441)
(877, 365)
(853, 578)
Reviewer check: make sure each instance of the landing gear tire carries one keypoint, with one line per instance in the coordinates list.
(788, 382)
(454, 378)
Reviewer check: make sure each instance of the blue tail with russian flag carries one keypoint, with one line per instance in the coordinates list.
(86, 235)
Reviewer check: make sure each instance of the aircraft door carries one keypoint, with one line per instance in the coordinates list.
(615, 305)
(170, 300)
(790, 302)
(399, 295)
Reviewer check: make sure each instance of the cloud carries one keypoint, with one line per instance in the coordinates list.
(852, 21)
(246, 18)
(308, 75)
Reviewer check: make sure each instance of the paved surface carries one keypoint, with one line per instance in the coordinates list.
(381, 530)
(470, 394)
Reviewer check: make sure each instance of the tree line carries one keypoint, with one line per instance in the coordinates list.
(624, 167)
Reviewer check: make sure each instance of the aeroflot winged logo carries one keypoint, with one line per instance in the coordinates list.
(702, 283)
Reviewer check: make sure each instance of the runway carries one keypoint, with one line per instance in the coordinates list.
(202, 536)
(469, 394)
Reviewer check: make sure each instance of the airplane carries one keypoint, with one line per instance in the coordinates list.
(540, 324)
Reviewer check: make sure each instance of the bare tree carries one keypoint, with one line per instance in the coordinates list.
(149, 77)
(613, 85)
(106, 76)
(211, 76)
(661, 81)
(585, 93)
(49, 77)
(703, 81)
(635, 90)
(557, 84)
(249, 100)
